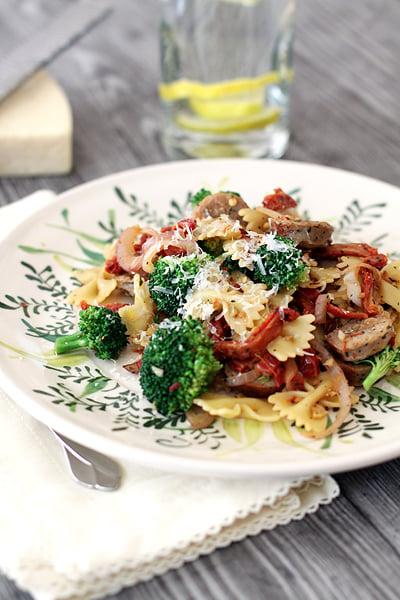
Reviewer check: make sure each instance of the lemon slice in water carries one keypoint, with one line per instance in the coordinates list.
(182, 89)
(225, 106)
(229, 108)
(258, 120)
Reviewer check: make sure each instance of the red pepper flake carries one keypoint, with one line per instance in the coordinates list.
(84, 305)
(174, 386)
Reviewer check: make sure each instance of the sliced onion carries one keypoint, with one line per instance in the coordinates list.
(321, 305)
(152, 246)
(124, 246)
(353, 286)
(291, 370)
(241, 378)
(341, 386)
(352, 282)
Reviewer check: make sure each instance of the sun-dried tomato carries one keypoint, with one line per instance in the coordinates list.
(219, 329)
(172, 250)
(365, 251)
(309, 364)
(279, 201)
(257, 341)
(271, 366)
(112, 266)
(370, 290)
(115, 306)
(187, 224)
(137, 248)
(343, 313)
(293, 378)
(305, 299)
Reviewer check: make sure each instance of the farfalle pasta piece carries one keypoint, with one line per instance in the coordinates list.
(390, 294)
(138, 316)
(257, 219)
(321, 276)
(242, 309)
(346, 262)
(230, 407)
(242, 250)
(221, 227)
(390, 284)
(143, 338)
(303, 408)
(331, 399)
(396, 325)
(281, 299)
(294, 338)
(97, 286)
(243, 305)
(392, 271)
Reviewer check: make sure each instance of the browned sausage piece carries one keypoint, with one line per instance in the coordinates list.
(355, 373)
(306, 234)
(199, 418)
(361, 338)
(257, 390)
(221, 203)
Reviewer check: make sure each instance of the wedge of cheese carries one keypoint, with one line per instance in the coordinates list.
(36, 129)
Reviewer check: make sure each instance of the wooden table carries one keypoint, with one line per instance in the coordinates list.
(345, 113)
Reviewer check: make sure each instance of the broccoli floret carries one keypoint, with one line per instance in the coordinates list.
(382, 363)
(213, 246)
(172, 279)
(232, 265)
(177, 365)
(230, 192)
(99, 329)
(199, 196)
(203, 193)
(278, 263)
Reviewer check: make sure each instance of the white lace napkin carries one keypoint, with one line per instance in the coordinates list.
(59, 540)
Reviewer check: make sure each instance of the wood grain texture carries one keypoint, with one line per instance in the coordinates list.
(346, 114)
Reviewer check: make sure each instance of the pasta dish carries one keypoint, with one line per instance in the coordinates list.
(255, 313)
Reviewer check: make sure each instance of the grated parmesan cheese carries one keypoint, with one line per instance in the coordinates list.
(157, 371)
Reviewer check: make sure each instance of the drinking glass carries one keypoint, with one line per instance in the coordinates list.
(226, 74)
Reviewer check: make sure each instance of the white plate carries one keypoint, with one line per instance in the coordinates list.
(94, 402)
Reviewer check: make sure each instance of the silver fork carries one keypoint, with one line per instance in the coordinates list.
(88, 467)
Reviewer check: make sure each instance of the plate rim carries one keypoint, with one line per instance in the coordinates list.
(176, 463)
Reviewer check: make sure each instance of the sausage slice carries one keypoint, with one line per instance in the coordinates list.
(355, 373)
(221, 203)
(306, 234)
(361, 338)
